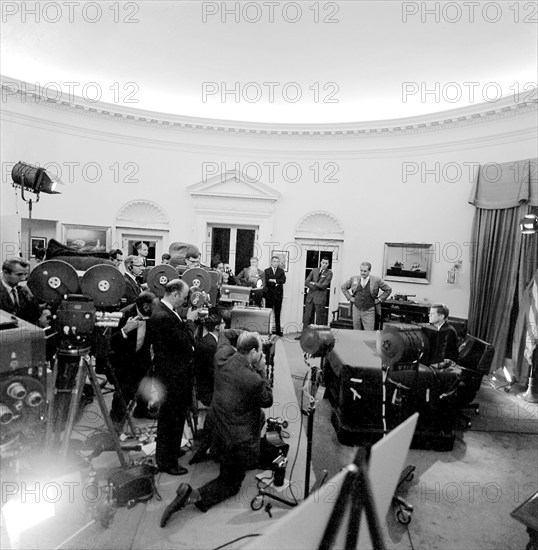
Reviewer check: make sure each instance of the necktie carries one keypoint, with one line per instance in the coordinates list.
(140, 334)
(363, 283)
(15, 294)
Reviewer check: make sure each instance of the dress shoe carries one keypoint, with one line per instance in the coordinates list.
(174, 470)
(183, 492)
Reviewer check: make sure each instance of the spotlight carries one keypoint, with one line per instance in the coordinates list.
(510, 376)
(529, 224)
(34, 179)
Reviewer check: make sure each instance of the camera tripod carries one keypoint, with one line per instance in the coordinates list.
(84, 368)
(257, 501)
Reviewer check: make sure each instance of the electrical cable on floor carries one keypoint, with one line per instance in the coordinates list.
(235, 540)
(409, 535)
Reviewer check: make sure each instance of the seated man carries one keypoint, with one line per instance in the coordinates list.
(446, 344)
(241, 391)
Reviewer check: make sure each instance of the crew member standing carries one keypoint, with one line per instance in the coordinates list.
(317, 282)
(133, 270)
(274, 290)
(363, 293)
(173, 346)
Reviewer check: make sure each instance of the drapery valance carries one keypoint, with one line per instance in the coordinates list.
(506, 185)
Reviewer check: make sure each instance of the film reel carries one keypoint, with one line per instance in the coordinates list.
(198, 278)
(104, 284)
(404, 344)
(51, 280)
(159, 276)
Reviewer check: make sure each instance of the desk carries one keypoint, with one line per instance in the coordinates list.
(354, 382)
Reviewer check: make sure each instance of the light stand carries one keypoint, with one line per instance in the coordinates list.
(316, 341)
(310, 412)
(356, 493)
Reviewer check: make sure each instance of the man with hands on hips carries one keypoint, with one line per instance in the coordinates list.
(363, 292)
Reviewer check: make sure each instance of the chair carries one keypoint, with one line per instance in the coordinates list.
(476, 357)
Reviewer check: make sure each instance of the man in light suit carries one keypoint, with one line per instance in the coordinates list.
(173, 348)
(363, 292)
(317, 282)
(253, 277)
(274, 290)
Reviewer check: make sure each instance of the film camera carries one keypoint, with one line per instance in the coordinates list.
(272, 448)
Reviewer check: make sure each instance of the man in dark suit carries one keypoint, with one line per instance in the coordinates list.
(274, 290)
(131, 357)
(237, 418)
(15, 298)
(204, 357)
(317, 282)
(446, 346)
(133, 269)
(142, 251)
(173, 345)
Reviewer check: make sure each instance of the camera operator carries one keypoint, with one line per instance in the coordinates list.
(241, 391)
(204, 357)
(131, 356)
(226, 274)
(173, 344)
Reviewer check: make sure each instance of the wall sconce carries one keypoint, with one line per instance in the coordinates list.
(529, 224)
(451, 275)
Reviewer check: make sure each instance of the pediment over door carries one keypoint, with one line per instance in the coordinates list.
(233, 186)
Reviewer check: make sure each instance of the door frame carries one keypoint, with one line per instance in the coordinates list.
(207, 253)
(294, 312)
(161, 238)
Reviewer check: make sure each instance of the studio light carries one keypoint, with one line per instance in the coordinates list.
(34, 179)
(529, 224)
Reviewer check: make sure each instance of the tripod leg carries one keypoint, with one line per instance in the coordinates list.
(52, 402)
(126, 407)
(76, 394)
(104, 410)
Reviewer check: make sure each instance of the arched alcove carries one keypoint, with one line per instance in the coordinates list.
(142, 213)
(319, 224)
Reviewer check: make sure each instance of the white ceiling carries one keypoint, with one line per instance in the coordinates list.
(160, 54)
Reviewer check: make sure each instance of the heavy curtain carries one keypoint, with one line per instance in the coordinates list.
(503, 260)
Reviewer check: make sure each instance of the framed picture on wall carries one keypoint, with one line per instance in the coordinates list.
(87, 238)
(38, 242)
(408, 262)
(283, 258)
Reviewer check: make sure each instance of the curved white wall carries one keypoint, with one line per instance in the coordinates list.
(380, 190)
